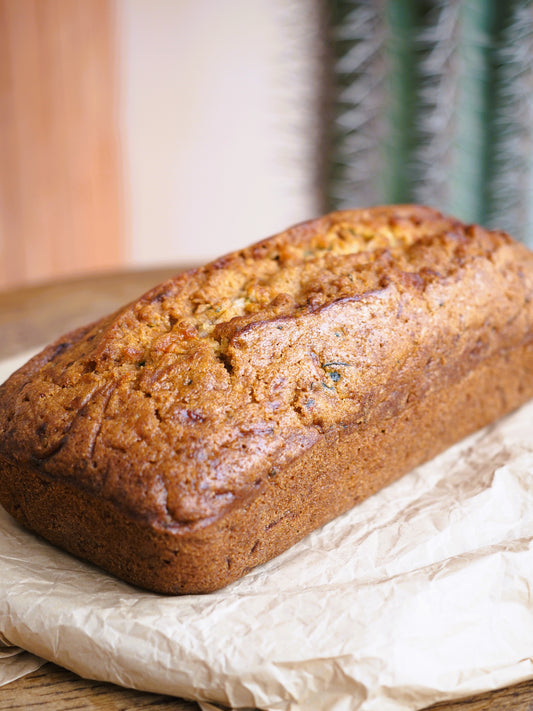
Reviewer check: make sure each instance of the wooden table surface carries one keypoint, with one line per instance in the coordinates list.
(33, 316)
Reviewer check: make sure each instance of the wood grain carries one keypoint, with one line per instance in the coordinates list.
(56, 689)
(35, 316)
(29, 317)
(60, 176)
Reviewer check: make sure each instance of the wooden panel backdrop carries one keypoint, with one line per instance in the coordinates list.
(60, 172)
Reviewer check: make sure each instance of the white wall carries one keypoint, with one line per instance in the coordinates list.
(215, 123)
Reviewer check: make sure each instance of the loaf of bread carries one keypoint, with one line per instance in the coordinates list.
(208, 426)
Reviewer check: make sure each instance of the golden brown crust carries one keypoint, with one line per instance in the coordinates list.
(210, 424)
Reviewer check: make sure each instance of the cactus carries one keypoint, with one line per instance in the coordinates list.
(354, 115)
(431, 101)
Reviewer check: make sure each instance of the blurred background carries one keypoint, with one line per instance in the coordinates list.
(139, 133)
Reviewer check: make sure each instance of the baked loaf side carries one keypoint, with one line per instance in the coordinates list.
(209, 425)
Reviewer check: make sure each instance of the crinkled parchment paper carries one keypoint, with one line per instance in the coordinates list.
(421, 593)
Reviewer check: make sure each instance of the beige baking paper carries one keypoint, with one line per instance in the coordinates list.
(422, 593)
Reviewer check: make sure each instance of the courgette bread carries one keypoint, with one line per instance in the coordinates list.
(221, 417)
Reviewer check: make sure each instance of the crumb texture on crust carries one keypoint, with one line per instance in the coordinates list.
(188, 401)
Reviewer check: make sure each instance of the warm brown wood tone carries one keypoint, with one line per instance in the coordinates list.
(60, 177)
(29, 317)
(513, 698)
(54, 689)
(34, 316)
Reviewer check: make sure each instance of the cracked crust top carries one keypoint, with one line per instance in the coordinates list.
(182, 404)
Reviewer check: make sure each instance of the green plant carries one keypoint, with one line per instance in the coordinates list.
(431, 101)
